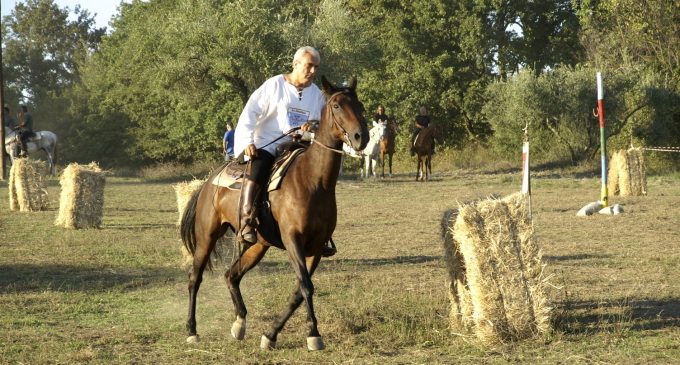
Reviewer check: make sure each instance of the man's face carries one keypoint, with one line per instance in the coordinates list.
(305, 68)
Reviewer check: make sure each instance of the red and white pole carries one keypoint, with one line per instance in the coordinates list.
(526, 180)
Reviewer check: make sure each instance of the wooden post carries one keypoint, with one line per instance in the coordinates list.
(3, 155)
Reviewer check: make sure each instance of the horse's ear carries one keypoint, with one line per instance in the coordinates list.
(353, 83)
(326, 85)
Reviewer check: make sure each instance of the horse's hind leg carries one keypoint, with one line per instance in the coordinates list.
(204, 245)
(250, 257)
(389, 156)
(50, 158)
(304, 269)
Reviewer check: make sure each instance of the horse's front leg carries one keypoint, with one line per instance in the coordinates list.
(418, 168)
(250, 257)
(382, 163)
(304, 269)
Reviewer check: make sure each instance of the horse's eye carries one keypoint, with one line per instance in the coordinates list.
(336, 106)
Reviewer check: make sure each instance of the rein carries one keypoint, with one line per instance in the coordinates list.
(328, 148)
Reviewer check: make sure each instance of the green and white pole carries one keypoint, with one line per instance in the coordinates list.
(603, 143)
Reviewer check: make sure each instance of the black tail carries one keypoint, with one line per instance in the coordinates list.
(188, 224)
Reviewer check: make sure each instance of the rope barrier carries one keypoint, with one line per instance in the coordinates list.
(662, 149)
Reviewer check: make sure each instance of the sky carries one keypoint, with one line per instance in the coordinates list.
(104, 9)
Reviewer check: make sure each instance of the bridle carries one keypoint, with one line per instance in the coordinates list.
(345, 135)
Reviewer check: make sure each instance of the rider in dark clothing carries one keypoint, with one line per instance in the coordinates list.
(25, 130)
(422, 121)
(380, 115)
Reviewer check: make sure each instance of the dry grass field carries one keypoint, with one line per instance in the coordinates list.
(117, 294)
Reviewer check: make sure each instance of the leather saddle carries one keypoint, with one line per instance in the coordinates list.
(232, 173)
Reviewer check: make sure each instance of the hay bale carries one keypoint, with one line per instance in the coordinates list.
(27, 185)
(638, 174)
(13, 201)
(460, 315)
(183, 192)
(617, 159)
(496, 271)
(81, 204)
(627, 176)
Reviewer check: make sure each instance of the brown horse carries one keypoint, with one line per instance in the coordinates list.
(304, 207)
(387, 145)
(423, 148)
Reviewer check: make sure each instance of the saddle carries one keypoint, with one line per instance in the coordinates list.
(231, 176)
(34, 138)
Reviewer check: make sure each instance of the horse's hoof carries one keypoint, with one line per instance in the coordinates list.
(267, 344)
(238, 329)
(192, 339)
(315, 344)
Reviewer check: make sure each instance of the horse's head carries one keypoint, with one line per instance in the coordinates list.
(346, 114)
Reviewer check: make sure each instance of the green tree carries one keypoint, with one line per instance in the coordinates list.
(557, 106)
(629, 33)
(42, 54)
(43, 49)
(178, 69)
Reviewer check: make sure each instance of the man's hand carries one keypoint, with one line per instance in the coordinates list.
(250, 151)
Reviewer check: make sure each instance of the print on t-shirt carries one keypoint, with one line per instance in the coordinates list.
(297, 117)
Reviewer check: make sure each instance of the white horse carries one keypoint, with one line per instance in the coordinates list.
(43, 140)
(371, 153)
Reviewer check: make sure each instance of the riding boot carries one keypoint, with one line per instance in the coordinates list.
(249, 211)
(24, 149)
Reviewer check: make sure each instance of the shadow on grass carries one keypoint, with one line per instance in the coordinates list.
(138, 227)
(575, 257)
(338, 264)
(398, 260)
(617, 316)
(25, 278)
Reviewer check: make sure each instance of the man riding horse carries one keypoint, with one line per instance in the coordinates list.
(281, 103)
(25, 129)
(422, 122)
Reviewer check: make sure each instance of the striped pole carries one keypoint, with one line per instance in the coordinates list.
(526, 187)
(603, 142)
(526, 181)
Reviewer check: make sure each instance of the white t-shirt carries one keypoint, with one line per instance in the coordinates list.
(272, 110)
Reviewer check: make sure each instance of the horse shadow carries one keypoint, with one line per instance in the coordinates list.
(27, 278)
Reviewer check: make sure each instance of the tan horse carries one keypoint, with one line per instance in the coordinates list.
(387, 145)
(303, 214)
(423, 148)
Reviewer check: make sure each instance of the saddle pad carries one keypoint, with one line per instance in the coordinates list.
(231, 176)
(280, 172)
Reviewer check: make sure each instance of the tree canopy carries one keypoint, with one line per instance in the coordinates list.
(162, 82)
